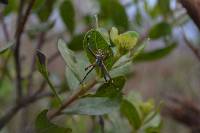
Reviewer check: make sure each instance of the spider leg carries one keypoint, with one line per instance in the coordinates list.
(89, 66)
(87, 74)
(92, 52)
(106, 73)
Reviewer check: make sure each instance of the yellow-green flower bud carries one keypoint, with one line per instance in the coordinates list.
(147, 107)
(125, 41)
(114, 34)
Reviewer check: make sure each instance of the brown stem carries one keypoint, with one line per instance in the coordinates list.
(19, 31)
(22, 104)
(8, 116)
(192, 7)
(74, 97)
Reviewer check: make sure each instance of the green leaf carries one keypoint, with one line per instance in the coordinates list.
(72, 81)
(37, 5)
(154, 125)
(119, 15)
(164, 7)
(126, 41)
(156, 54)
(160, 30)
(114, 10)
(93, 106)
(42, 68)
(34, 30)
(9, 8)
(45, 10)
(122, 66)
(111, 90)
(138, 17)
(5, 90)
(41, 64)
(76, 44)
(131, 113)
(96, 41)
(6, 47)
(67, 14)
(74, 64)
(43, 125)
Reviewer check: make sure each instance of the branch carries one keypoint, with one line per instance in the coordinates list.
(184, 110)
(74, 97)
(8, 116)
(20, 28)
(37, 96)
(192, 7)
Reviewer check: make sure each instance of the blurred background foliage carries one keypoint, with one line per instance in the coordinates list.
(166, 66)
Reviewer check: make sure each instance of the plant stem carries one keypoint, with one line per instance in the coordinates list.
(18, 34)
(74, 97)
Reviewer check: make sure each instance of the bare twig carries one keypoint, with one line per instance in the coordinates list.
(19, 31)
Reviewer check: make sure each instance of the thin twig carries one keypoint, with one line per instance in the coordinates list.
(19, 31)
(33, 98)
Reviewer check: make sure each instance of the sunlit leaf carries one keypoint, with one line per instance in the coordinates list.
(43, 125)
(160, 30)
(96, 41)
(122, 66)
(130, 112)
(93, 106)
(75, 65)
(126, 41)
(156, 54)
(68, 15)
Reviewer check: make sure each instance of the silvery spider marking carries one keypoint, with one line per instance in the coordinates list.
(100, 57)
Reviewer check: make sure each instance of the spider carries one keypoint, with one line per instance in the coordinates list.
(100, 57)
